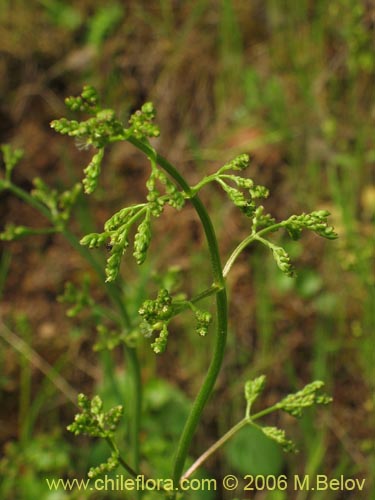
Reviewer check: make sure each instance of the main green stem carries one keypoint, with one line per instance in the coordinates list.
(221, 306)
(115, 297)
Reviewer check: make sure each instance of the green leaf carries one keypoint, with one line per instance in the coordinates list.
(251, 452)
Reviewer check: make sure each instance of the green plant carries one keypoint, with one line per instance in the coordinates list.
(165, 186)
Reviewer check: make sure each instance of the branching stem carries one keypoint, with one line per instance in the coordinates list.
(221, 310)
(246, 242)
(226, 437)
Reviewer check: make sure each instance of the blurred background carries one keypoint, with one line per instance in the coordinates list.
(290, 83)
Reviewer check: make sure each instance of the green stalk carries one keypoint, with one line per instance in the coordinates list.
(114, 294)
(226, 437)
(236, 252)
(221, 307)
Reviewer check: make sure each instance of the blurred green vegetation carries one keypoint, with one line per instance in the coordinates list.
(292, 83)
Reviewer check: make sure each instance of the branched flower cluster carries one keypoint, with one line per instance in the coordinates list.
(156, 314)
(101, 129)
(141, 122)
(58, 204)
(279, 436)
(92, 172)
(253, 388)
(261, 220)
(12, 232)
(93, 421)
(117, 228)
(294, 404)
(282, 260)
(97, 131)
(242, 192)
(116, 231)
(80, 298)
(11, 158)
(109, 339)
(156, 200)
(203, 319)
(315, 221)
(105, 467)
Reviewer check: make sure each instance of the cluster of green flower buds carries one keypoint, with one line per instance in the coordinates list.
(172, 196)
(244, 193)
(117, 228)
(92, 172)
(88, 100)
(310, 395)
(141, 122)
(261, 220)
(11, 158)
(253, 388)
(240, 162)
(105, 467)
(203, 319)
(294, 404)
(102, 128)
(142, 239)
(12, 232)
(93, 421)
(80, 298)
(156, 314)
(108, 339)
(116, 231)
(315, 221)
(59, 204)
(97, 131)
(282, 260)
(279, 436)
